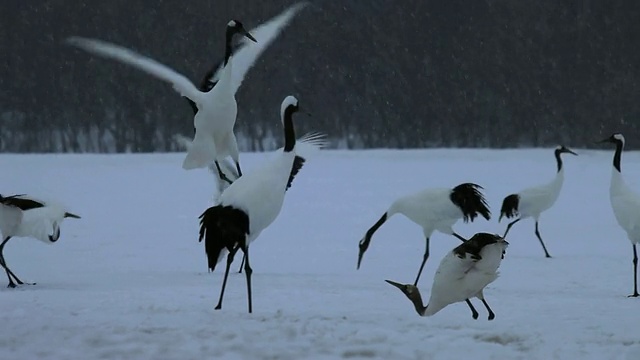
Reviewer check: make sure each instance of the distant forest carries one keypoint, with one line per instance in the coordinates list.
(373, 73)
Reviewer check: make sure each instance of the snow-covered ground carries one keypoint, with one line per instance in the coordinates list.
(129, 280)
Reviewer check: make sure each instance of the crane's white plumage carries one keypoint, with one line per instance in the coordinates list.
(22, 216)
(217, 108)
(625, 204)
(463, 273)
(533, 201)
(434, 209)
(251, 203)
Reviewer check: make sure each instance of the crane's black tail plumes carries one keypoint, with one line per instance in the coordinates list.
(509, 207)
(222, 227)
(471, 201)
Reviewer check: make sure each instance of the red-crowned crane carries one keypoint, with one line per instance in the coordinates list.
(462, 274)
(625, 204)
(434, 209)
(215, 101)
(533, 201)
(23, 216)
(252, 202)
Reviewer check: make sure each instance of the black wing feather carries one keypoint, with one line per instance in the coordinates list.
(471, 201)
(475, 245)
(510, 206)
(19, 202)
(298, 162)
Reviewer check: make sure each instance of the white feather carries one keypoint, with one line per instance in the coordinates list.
(432, 209)
(217, 108)
(180, 83)
(39, 223)
(244, 58)
(536, 200)
(261, 193)
(459, 279)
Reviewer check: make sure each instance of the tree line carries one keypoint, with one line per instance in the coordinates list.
(374, 73)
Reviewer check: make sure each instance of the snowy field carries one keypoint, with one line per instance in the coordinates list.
(129, 280)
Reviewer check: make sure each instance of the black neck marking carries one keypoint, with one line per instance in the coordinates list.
(471, 201)
(558, 159)
(289, 131)
(364, 243)
(617, 156)
(419, 305)
(222, 227)
(375, 227)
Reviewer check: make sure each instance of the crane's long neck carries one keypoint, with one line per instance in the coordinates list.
(556, 183)
(224, 83)
(617, 156)
(289, 131)
(421, 309)
(617, 185)
(228, 51)
(558, 160)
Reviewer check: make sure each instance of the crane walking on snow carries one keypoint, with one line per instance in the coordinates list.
(533, 201)
(434, 209)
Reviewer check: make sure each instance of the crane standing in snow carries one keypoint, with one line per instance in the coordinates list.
(21, 216)
(252, 202)
(462, 274)
(533, 201)
(625, 204)
(434, 209)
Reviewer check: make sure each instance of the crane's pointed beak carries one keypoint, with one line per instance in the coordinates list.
(71, 215)
(250, 37)
(362, 248)
(571, 152)
(398, 285)
(603, 141)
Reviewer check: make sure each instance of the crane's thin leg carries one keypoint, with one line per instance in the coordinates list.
(238, 168)
(221, 174)
(226, 274)
(4, 264)
(474, 313)
(7, 270)
(424, 260)
(546, 253)
(244, 256)
(248, 271)
(509, 227)
(459, 237)
(491, 314)
(635, 272)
